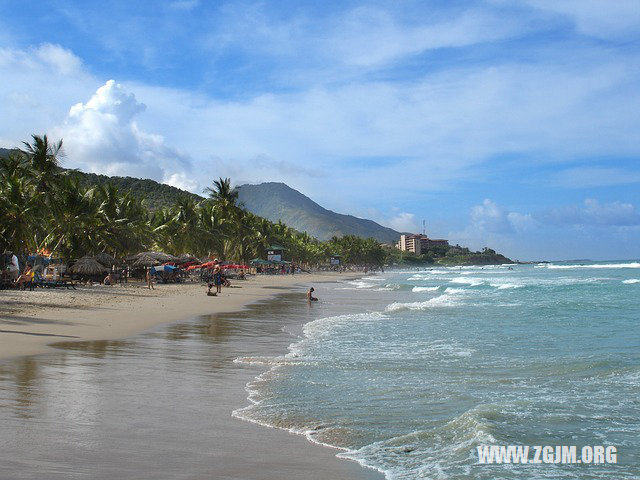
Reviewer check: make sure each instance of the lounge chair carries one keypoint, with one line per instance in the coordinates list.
(39, 281)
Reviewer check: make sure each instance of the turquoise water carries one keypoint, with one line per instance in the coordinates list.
(409, 371)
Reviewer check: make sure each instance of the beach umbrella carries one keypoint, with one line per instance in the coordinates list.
(106, 259)
(88, 266)
(160, 257)
(144, 260)
(163, 257)
(187, 258)
(163, 268)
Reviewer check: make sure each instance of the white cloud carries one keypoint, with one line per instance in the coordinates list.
(60, 59)
(38, 85)
(581, 177)
(615, 19)
(184, 182)
(368, 36)
(494, 226)
(403, 222)
(594, 213)
(491, 218)
(102, 136)
(439, 129)
(46, 57)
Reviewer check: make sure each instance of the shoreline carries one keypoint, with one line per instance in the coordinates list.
(30, 321)
(274, 453)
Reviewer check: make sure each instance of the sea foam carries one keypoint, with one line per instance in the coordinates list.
(449, 299)
(597, 265)
(424, 289)
(472, 282)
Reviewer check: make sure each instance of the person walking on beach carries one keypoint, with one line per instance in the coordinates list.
(217, 276)
(149, 280)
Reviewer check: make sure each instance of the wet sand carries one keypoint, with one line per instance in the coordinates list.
(158, 404)
(30, 321)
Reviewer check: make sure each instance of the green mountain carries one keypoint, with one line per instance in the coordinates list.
(273, 201)
(4, 152)
(277, 201)
(156, 195)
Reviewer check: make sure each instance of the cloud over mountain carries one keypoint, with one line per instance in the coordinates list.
(102, 136)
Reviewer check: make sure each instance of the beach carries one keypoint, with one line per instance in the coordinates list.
(31, 320)
(105, 323)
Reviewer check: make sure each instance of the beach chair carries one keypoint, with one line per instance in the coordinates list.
(42, 282)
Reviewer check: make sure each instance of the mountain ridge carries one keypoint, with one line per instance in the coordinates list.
(271, 200)
(277, 201)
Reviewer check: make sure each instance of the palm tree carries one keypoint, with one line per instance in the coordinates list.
(213, 227)
(19, 212)
(222, 193)
(75, 226)
(43, 158)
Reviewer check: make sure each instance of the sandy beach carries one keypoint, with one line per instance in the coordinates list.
(31, 321)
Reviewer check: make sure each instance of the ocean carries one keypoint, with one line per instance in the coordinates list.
(409, 371)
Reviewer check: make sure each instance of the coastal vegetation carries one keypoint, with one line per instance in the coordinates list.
(50, 210)
(453, 255)
(68, 214)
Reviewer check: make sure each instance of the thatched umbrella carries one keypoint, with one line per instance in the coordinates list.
(186, 257)
(88, 266)
(145, 259)
(164, 257)
(159, 256)
(106, 259)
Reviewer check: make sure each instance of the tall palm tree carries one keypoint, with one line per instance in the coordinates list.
(222, 193)
(19, 211)
(44, 158)
(213, 227)
(75, 227)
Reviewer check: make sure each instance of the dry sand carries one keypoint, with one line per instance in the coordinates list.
(30, 321)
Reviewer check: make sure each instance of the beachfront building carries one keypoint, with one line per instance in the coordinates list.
(417, 243)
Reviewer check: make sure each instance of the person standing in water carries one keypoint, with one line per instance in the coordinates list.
(310, 296)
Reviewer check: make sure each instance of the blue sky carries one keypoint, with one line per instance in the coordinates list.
(510, 124)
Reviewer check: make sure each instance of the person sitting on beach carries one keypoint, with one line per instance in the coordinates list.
(26, 277)
(209, 292)
(108, 280)
(310, 296)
